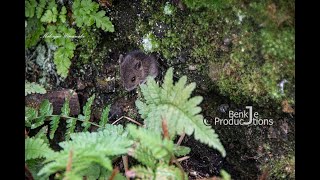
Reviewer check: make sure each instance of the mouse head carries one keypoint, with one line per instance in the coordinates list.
(131, 72)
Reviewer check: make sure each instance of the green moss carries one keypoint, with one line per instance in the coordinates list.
(247, 49)
(283, 168)
(88, 43)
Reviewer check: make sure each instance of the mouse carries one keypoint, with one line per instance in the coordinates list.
(135, 67)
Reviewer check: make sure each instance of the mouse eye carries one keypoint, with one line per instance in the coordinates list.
(133, 79)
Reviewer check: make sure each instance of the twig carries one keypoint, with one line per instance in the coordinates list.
(125, 165)
(183, 158)
(115, 171)
(132, 120)
(165, 128)
(69, 163)
(181, 138)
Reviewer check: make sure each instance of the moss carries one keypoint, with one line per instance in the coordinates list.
(87, 44)
(248, 46)
(282, 168)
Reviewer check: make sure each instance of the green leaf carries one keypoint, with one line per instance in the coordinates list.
(87, 112)
(46, 108)
(170, 172)
(65, 110)
(71, 126)
(42, 134)
(62, 15)
(36, 148)
(150, 146)
(181, 150)
(33, 88)
(173, 103)
(225, 175)
(54, 123)
(143, 172)
(40, 8)
(33, 32)
(62, 60)
(103, 21)
(30, 8)
(88, 149)
(104, 116)
(30, 115)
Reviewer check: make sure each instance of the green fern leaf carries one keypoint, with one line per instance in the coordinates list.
(42, 134)
(50, 15)
(40, 8)
(104, 116)
(173, 103)
(30, 8)
(181, 150)
(30, 115)
(87, 112)
(143, 172)
(65, 110)
(170, 172)
(88, 149)
(33, 32)
(54, 123)
(45, 110)
(62, 60)
(71, 126)
(152, 144)
(33, 88)
(36, 148)
(62, 15)
(103, 21)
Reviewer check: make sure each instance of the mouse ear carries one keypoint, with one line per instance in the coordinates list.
(137, 66)
(121, 58)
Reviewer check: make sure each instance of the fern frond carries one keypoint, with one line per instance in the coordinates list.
(151, 143)
(33, 88)
(88, 148)
(104, 116)
(170, 172)
(54, 123)
(181, 150)
(36, 148)
(173, 103)
(87, 113)
(71, 126)
(143, 172)
(40, 8)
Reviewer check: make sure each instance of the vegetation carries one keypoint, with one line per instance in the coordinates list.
(249, 47)
(91, 154)
(47, 21)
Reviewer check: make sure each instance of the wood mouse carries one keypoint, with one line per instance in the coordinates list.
(135, 67)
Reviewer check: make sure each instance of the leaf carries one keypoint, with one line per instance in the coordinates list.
(103, 21)
(30, 115)
(71, 125)
(40, 8)
(30, 8)
(151, 145)
(87, 112)
(33, 88)
(143, 172)
(173, 103)
(170, 172)
(54, 123)
(42, 134)
(62, 15)
(36, 148)
(65, 110)
(88, 149)
(225, 175)
(62, 60)
(46, 108)
(104, 116)
(181, 150)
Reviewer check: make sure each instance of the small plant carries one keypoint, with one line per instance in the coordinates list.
(48, 20)
(33, 88)
(173, 103)
(91, 154)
